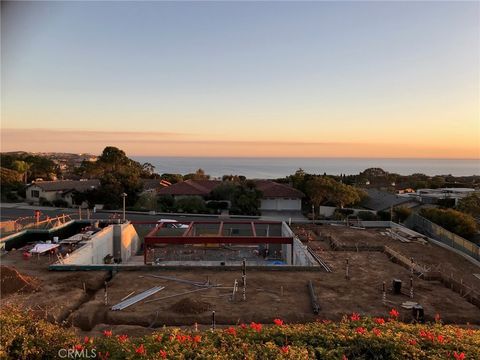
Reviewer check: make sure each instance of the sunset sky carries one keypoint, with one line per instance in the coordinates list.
(326, 79)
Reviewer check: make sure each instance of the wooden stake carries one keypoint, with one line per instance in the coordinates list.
(384, 296)
(347, 270)
(213, 320)
(244, 278)
(106, 294)
(411, 287)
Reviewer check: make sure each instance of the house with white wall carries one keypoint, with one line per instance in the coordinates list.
(58, 190)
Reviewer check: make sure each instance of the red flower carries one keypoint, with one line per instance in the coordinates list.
(380, 321)
(360, 330)
(427, 335)
(355, 317)
(256, 327)
(122, 338)
(103, 356)
(376, 331)
(437, 317)
(278, 322)
(458, 356)
(181, 338)
(344, 357)
(140, 350)
(107, 333)
(197, 339)
(86, 340)
(163, 354)
(243, 326)
(394, 313)
(412, 342)
(231, 331)
(440, 339)
(285, 349)
(78, 347)
(326, 322)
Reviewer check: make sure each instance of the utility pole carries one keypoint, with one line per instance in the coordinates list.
(124, 195)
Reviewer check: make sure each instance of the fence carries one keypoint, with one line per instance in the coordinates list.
(424, 226)
(14, 226)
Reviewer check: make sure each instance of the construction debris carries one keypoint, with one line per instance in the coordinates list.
(409, 304)
(183, 281)
(174, 295)
(127, 296)
(139, 297)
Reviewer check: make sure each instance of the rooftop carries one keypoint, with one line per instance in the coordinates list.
(63, 185)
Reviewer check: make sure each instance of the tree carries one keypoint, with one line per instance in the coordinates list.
(191, 204)
(148, 169)
(199, 175)
(22, 167)
(402, 213)
(325, 190)
(455, 221)
(470, 205)
(118, 174)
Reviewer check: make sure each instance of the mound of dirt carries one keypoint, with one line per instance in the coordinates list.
(12, 281)
(190, 306)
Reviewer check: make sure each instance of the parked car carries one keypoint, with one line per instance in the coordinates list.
(173, 224)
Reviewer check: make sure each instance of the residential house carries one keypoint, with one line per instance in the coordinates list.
(379, 200)
(58, 190)
(275, 196)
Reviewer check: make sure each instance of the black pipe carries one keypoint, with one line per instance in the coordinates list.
(313, 297)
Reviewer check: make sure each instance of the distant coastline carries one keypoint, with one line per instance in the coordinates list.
(271, 168)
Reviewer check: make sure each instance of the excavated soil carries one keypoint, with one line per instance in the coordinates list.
(190, 306)
(13, 282)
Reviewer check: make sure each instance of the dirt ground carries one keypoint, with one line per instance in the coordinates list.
(269, 294)
(433, 256)
(57, 294)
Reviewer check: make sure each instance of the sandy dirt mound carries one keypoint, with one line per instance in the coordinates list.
(12, 281)
(190, 306)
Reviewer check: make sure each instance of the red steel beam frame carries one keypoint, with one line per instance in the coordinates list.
(187, 231)
(254, 232)
(150, 234)
(218, 240)
(220, 229)
(211, 222)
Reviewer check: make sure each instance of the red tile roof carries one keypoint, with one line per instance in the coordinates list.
(271, 189)
(268, 188)
(190, 187)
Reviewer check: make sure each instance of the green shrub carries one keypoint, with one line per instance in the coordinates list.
(44, 202)
(455, 221)
(60, 203)
(190, 204)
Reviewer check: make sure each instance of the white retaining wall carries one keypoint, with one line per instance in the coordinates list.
(101, 245)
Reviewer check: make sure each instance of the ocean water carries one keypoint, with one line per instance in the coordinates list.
(271, 168)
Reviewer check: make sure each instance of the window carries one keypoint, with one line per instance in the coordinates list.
(35, 193)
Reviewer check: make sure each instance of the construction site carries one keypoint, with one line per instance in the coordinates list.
(134, 277)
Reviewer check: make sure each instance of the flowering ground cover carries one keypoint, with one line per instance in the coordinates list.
(23, 336)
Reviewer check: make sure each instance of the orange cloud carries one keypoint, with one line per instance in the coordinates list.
(178, 144)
